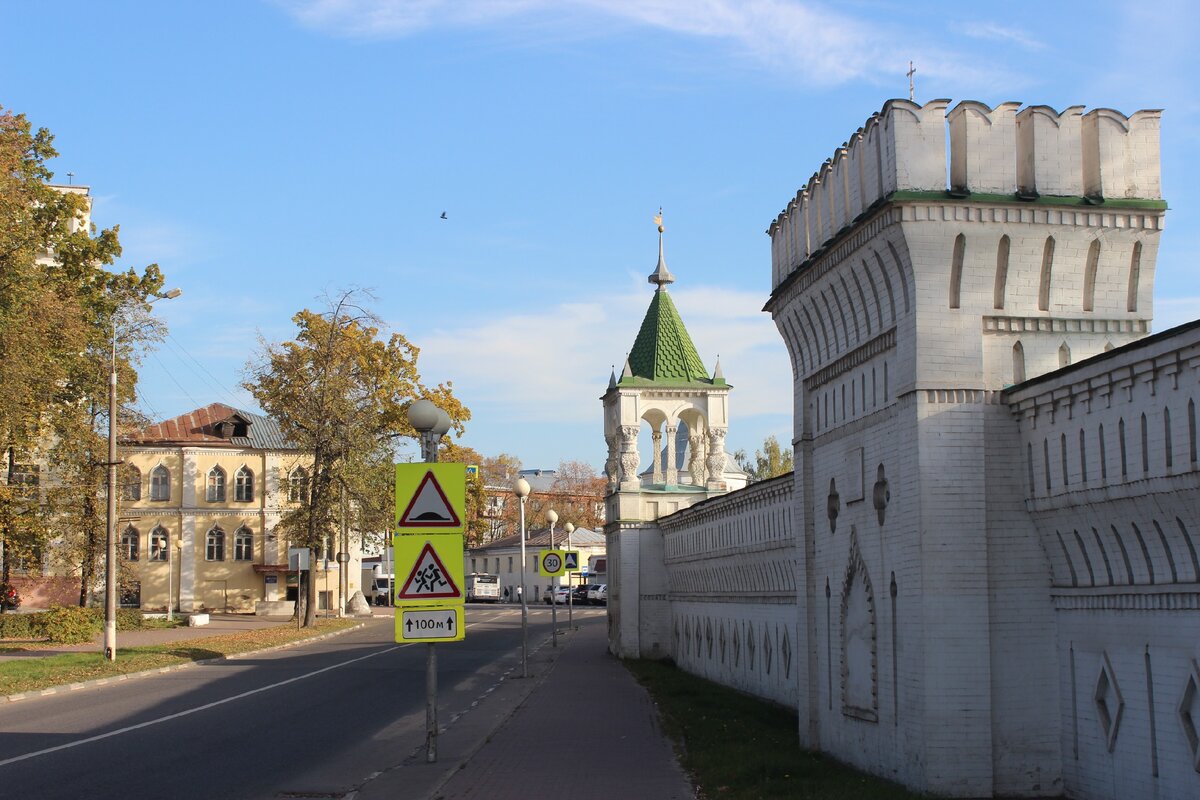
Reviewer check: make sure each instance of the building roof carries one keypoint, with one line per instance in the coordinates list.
(663, 351)
(580, 537)
(218, 425)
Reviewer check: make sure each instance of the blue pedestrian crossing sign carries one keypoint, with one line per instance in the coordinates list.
(571, 560)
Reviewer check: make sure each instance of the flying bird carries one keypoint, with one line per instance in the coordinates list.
(444, 215)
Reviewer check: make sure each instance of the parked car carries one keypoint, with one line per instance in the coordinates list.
(598, 594)
(559, 593)
(586, 593)
(580, 593)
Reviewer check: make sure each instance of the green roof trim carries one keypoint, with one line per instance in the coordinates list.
(1039, 200)
(663, 352)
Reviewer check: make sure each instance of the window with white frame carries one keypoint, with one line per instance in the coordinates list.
(160, 483)
(129, 543)
(158, 544)
(214, 545)
(216, 486)
(243, 485)
(243, 544)
(298, 485)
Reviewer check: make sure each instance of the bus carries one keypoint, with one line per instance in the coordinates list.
(483, 588)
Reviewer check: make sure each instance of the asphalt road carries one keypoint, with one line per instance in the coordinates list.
(310, 721)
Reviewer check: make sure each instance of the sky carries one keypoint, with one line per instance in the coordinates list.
(270, 155)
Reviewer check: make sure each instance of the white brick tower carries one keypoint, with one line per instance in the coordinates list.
(908, 299)
(665, 387)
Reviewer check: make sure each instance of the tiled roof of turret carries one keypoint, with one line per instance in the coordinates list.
(663, 351)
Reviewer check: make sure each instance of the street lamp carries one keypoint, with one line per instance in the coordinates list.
(570, 528)
(521, 490)
(552, 517)
(432, 423)
(110, 554)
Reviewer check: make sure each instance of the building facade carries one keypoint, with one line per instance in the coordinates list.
(201, 496)
(982, 580)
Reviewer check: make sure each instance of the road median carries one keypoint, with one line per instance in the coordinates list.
(24, 678)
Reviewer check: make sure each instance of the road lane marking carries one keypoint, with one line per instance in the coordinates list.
(190, 711)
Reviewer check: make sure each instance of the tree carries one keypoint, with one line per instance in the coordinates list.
(769, 462)
(576, 494)
(340, 393)
(476, 522)
(58, 309)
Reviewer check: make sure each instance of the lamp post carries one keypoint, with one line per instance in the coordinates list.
(432, 423)
(552, 517)
(110, 549)
(521, 490)
(570, 528)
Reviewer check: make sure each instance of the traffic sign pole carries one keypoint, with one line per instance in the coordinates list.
(553, 594)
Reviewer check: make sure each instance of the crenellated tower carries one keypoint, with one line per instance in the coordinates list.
(910, 295)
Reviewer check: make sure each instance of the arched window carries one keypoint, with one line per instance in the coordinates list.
(1089, 276)
(1064, 355)
(1135, 272)
(1047, 270)
(1124, 452)
(158, 544)
(1001, 272)
(1018, 354)
(243, 485)
(298, 485)
(1145, 446)
(1083, 470)
(216, 486)
(956, 267)
(214, 545)
(1103, 455)
(160, 483)
(1192, 431)
(1167, 437)
(129, 543)
(243, 544)
(131, 483)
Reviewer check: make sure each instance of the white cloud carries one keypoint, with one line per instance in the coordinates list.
(800, 39)
(1004, 34)
(552, 366)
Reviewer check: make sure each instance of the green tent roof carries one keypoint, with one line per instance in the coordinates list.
(663, 352)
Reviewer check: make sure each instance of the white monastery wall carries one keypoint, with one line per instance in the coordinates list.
(1111, 480)
(989, 596)
(731, 573)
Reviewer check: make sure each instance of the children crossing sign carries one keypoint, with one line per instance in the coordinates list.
(433, 569)
(431, 498)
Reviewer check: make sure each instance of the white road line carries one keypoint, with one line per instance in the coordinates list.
(190, 711)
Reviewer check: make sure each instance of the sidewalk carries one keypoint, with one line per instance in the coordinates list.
(586, 730)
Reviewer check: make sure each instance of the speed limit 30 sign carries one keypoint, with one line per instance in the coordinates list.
(552, 563)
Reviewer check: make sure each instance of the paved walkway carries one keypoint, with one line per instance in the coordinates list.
(586, 730)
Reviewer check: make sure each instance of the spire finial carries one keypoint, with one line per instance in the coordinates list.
(661, 275)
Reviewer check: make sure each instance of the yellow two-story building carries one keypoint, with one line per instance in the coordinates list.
(201, 496)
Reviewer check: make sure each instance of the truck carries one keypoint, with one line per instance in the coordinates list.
(483, 588)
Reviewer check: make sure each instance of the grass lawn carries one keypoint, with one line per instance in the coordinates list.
(737, 747)
(31, 674)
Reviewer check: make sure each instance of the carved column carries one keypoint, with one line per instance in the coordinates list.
(629, 457)
(611, 463)
(671, 473)
(715, 460)
(656, 459)
(696, 458)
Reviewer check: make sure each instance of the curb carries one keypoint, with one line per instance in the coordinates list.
(74, 687)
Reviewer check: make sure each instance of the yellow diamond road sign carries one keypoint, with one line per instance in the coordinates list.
(431, 498)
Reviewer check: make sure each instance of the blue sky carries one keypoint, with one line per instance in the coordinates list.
(269, 154)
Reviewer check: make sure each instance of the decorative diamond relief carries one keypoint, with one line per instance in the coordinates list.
(767, 650)
(785, 653)
(708, 637)
(751, 646)
(721, 640)
(1109, 703)
(737, 644)
(1189, 713)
